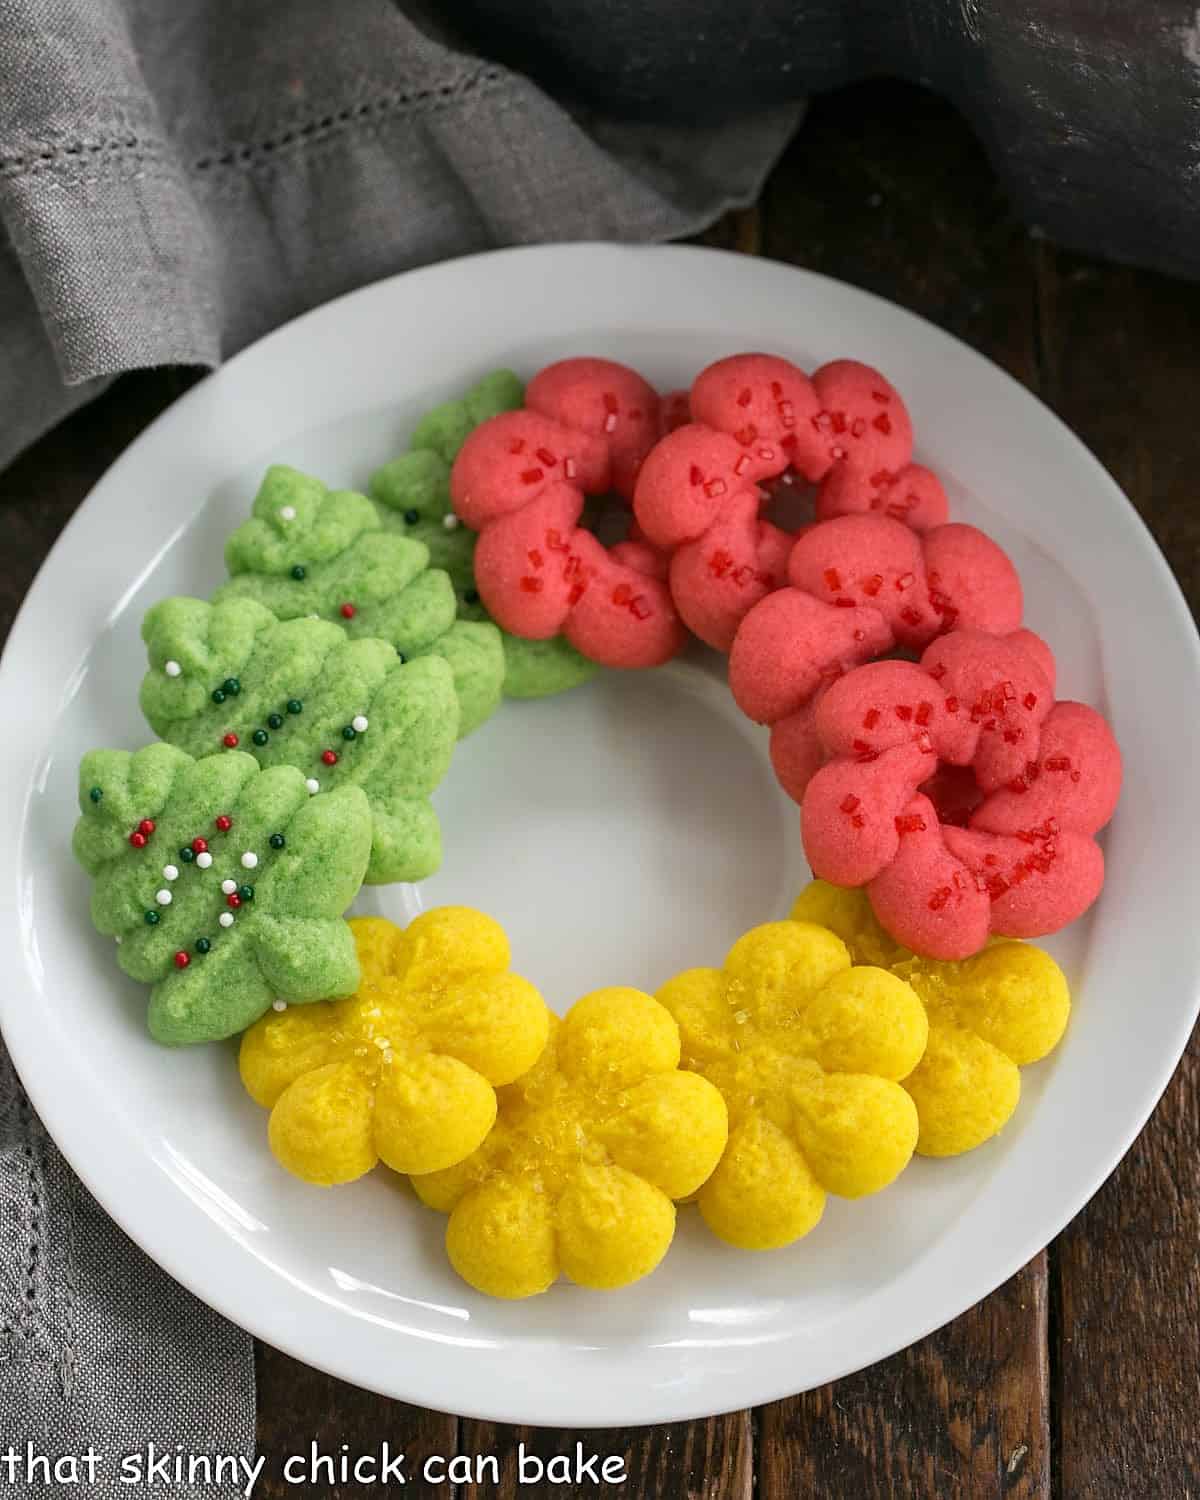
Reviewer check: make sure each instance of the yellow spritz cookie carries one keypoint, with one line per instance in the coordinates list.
(807, 1053)
(988, 1017)
(405, 1070)
(588, 1151)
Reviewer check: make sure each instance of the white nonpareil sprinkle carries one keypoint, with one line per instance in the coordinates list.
(360, 723)
(313, 785)
(226, 919)
(170, 872)
(279, 1005)
(229, 886)
(163, 897)
(204, 860)
(451, 522)
(249, 860)
(172, 668)
(287, 513)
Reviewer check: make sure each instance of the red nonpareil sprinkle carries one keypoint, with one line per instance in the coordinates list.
(230, 741)
(871, 719)
(844, 603)
(622, 594)
(517, 445)
(146, 826)
(554, 541)
(137, 839)
(530, 585)
(904, 712)
(924, 713)
(715, 488)
(1058, 763)
(905, 582)
(639, 608)
(925, 742)
(531, 476)
(857, 427)
(233, 899)
(745, 397)
(348, 611)
(535, 557)
(996, 886)
(329, 757)
(872, 585)
(938, 672)
(182, 959)
(952, 704)
(547, 457)
(569, 469)
(911, 616)
(720, 563)
(224, 822)
(939, 898)
(883, 423)
(910, 823)
(833, 580)
(199, 846)
(742, 464)
(696, 474)
(611, 403)
(849, 802)
(1030, 701)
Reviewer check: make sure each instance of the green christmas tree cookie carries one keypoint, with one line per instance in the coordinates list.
(309, 550)
(229, 675)
(223, 884)
(413, 493)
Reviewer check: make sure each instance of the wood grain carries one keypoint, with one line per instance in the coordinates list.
(710, 1460)
(1122, 369)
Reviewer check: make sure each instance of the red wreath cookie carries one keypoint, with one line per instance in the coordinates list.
(860, 586)
(521, 481)
(755, 417)
(1046, 779)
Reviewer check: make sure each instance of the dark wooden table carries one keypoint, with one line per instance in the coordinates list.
(1080, 1378)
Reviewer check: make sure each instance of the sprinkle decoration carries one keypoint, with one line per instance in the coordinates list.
(260, 736)
(170, 872)
(163, 897)
(229, 886)
(182, 959)
(233, 899)
(277, 841)
(329, 757)
(172, 668)
(224, 822)
(204, 860)
(294, 706)
(275, 721)
(226, 919)
(138, 840)
(246, 892)
(187, 854)
(203, 945)
(249, 860)
(279, 1005)
(96, 794)
(230, 741)
(287, 512)
(152, 918)
(299, 573)
(451, 522)
(313, 785)
(359, 723)
(348, 611)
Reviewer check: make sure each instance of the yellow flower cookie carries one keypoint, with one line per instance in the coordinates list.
(807, 1053)
(405, 1071)
(589, 1148)
(988, 1017)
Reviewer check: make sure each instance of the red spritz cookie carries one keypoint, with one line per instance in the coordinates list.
(521, 479)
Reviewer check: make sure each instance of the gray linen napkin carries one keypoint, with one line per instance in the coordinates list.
(177, 177)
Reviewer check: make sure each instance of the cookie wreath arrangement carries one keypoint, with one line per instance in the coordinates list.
(947, 801)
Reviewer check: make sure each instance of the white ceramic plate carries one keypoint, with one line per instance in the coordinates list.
(620, 833)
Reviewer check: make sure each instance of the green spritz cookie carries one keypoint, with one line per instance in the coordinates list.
(223, 884)
(230, 676)
(309, 550)
(413, 493)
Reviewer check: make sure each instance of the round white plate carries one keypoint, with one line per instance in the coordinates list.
(622, 832)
